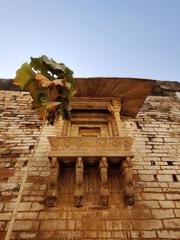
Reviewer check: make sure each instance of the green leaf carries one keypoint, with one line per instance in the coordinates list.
(24, 75)
(71, 93)
(52, 94)
(39, 95)
(52, 65)
(38, 65)
(65, 113)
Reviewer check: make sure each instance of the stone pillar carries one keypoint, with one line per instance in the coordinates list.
(114, 128)
(78, 193)
(104, 193)
(110, 129)
(59, 125)
(128, 181)
(66, 128)
(116, 108)
(52, 183)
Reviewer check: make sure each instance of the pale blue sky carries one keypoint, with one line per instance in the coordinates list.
(118, 38)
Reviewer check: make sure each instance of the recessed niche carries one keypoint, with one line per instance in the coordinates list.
(175, 179)
(170, 163)
(152, 163)
(155, 177)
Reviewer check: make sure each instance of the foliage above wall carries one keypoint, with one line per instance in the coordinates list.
(50, 84)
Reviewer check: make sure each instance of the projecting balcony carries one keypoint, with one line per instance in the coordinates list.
(90, 146)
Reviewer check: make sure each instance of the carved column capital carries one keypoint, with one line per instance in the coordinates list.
(103, 163)
(116, 105)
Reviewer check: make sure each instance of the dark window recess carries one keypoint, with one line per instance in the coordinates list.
(31, 147)
(175, 179)
(152, 163)
(170, 163)
(5, 179)
(14, 97)
(138, 126)
(25, 163)
(151, 137)
(155, 177)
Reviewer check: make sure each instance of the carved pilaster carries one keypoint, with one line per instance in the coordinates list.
(104, 193)
(110, 129)
(52, 183)
(66, 128)
(128, 181)
(115, 109)
(59, 125)
(78, 193)
(114, 128)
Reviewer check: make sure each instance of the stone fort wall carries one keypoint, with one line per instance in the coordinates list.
(156, 170)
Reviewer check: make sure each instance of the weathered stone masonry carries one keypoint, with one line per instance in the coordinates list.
(156, 176)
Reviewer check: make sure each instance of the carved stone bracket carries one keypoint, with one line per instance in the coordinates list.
(104, 193)
(128, 181)
(78, 193)
(52, 183)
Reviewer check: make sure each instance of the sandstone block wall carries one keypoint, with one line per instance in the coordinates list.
(156, 169)
(19, 130)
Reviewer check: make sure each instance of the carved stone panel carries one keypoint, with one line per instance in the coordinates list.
(90, 146)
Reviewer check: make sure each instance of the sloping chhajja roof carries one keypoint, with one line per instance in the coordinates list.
(131, 91)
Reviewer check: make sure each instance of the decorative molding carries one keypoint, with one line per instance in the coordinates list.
(90, 103)
(90, 146)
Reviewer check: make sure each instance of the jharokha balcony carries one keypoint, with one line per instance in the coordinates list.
(99, 108)
(103, 151)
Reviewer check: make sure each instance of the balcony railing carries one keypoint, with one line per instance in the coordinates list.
(90, 146)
